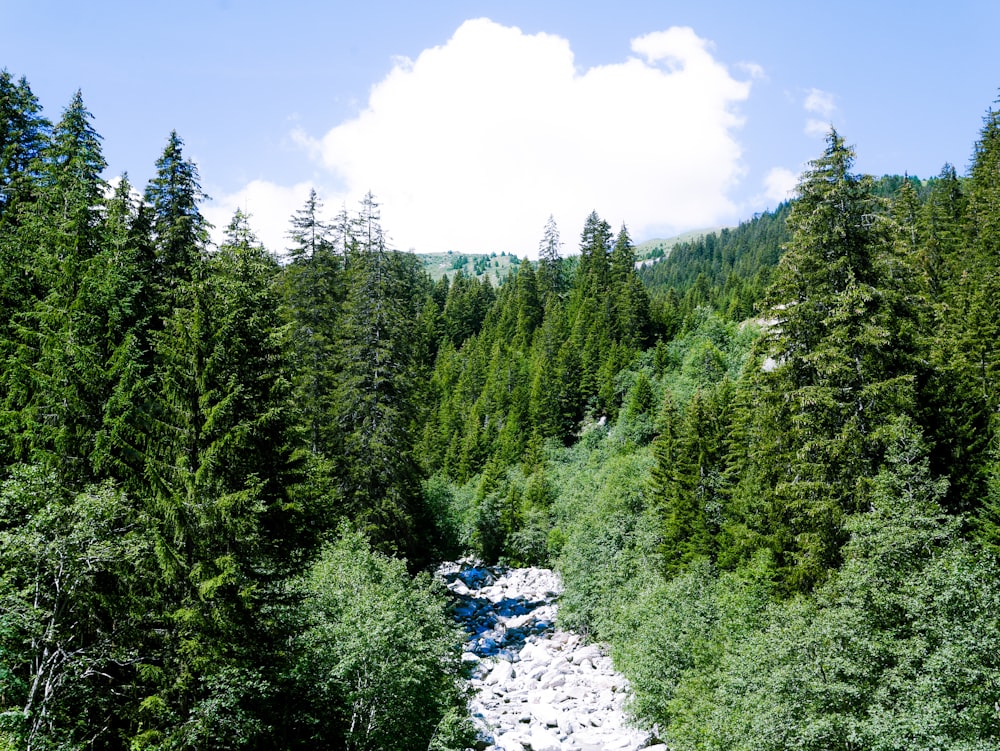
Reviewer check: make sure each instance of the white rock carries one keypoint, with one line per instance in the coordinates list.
(590, 652)
(553, 680)
(534, 652)
(509, 742)
(545, 714)
(563, 694)
(536, 673)
(500, 674)
(576, 691)
(566, 725)
(544, 740)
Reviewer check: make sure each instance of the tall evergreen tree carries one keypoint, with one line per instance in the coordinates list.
(629, 299)
(378, 387)
(941, 223)
(843, 354)
(24, 133)
(55, 376)
(593, 266)
(180, 232)
(550, 271)
(978, 289)
(221, 467)
(314, 292)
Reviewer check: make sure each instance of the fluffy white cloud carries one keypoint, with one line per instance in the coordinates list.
(269, 206)
(472, 145)
(779, 185)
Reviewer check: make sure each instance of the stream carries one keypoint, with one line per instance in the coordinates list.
(536, 687)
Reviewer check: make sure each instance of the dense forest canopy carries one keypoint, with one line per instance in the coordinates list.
(766, 465)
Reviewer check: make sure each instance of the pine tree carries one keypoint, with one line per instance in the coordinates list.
(687, 480)
(55, 379)
(221, 469)
(529, 306)
(978, 289)
(550, 271)
(314, 291)
(844, 346)
(593, 268)
(941, 225)
(24, 133)
(180, 232)
(546, 396)
(630, 301)
(378, 386)
(123, 295)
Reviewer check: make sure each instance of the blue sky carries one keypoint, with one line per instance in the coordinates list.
(473, 121)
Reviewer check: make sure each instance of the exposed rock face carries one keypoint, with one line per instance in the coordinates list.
(537, 688)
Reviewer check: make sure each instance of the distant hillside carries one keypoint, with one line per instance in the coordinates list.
(496, 267)
(728, 269)
(661, 247)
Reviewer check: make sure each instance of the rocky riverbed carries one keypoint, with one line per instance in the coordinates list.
(536, 687)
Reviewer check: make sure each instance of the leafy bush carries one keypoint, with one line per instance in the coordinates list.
(379, 659)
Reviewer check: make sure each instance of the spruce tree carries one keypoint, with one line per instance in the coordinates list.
(843, 351)
(592, 271)
(978, 320)
(314, 292)
(180, 232)
(941, 225)
(629, 299)
(379, 383)
(550, 271)
(122, 293)
(222, 470)
(55, 377)
(24, 133)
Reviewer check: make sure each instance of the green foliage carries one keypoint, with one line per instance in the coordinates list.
(772, 522)
(671, 637)
(54, 380)
(846, 349)
(378, 658)
(74, 590)
(179, 231)
(314, 293)
(729, 270)
(378, 387)
(896, 649)
(609, 540)
(537, 357)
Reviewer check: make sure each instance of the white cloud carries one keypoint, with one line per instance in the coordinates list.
(753, 70)
(817, 128)
(269, 206)
(779, 185)
(821, 103)
(474, 143)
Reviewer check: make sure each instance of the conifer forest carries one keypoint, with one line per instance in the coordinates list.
(766, 465)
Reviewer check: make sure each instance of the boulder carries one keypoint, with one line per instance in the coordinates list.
(543, 740)
(500, 674)
(546, 714)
